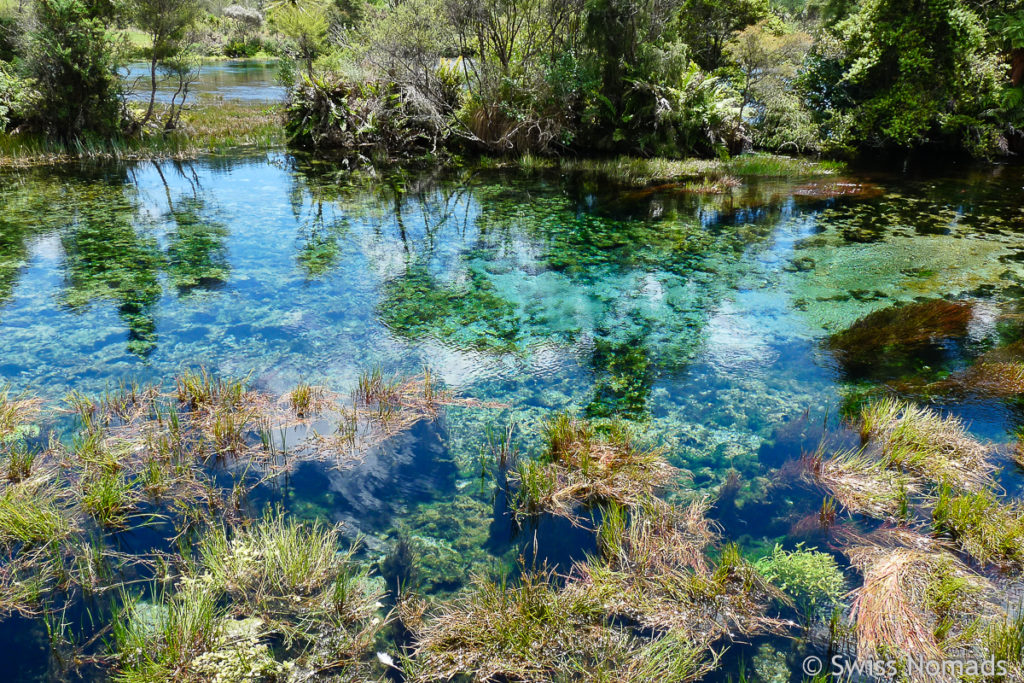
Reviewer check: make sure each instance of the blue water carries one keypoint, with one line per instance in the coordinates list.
(244, 80)
(702, 319)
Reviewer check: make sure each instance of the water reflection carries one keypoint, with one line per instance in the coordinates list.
(700, 316)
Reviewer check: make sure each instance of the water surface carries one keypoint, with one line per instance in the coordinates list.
(702, 319)
(246, 80)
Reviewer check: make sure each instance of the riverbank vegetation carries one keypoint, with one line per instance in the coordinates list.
(708, 78)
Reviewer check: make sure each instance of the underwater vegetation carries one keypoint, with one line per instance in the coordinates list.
(887, 343)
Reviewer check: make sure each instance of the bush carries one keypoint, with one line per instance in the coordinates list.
(238, 47)
(363, 120)
(72, 60)
(17, 98)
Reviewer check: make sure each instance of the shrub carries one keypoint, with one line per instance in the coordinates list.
(73, 61)
(362, 120)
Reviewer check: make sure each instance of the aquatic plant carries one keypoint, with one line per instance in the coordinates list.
(533, 630)
(920, 441)
(18, 459)
(885, 341)
(858, 482)
(580, 466)
(109, 497)
(1004, 642)
(34, 513)
(305, 398)
(209, 126)
(917, 599)
(15, 412)
(990, 531)
(295, 577)
(812, 578)
(163, 640)
(638, 172)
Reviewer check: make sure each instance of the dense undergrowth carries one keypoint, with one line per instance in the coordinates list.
(429, 78)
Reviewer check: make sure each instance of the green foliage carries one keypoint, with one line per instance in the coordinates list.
(904, 73)
(706, 25)
(306, 23)
(72, 59)
(17, 98)
(361, 120)
(768, 61)
(812, 578)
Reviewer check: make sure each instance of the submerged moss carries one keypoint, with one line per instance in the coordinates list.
(888, 342)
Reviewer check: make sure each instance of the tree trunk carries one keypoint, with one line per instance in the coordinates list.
(1017, 67)
(152, 90)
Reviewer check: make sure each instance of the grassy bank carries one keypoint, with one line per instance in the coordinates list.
(207, 128)
(638, 172)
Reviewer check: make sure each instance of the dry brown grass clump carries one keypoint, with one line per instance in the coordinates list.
(649, 608)
(581, 466)
(860, 483)
(917, 599)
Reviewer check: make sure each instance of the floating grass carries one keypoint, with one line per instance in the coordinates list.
(15, 412)
(917, 599)
(859, 483)
(33, 513)
(579, 466)
(534, 631)
(207, 127)
(919, 441)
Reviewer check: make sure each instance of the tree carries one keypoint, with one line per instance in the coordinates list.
(768, 62)
(306, 22)
(706, 25)
(167, 23)
(73, 62)
(910, 73)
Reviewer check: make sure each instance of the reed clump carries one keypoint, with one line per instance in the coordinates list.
(15, 412)
(919, 441)
(306, 398)
(908, 452)
(535, 631)
(161, 641)
(296, 578)
(34, 513)
(990, 531)
(581, 466)
(649, 607)
(917, 598)
(860, 483)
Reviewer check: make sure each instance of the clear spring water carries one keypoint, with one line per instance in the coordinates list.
(245, 80)
(701, 318)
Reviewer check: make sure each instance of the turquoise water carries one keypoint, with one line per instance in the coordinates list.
(703, 319)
